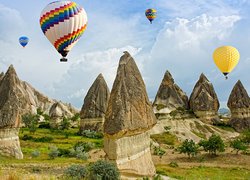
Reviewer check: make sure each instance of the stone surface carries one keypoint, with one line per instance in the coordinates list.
(129, 117)
(95, 105)
(129, 110)
(169, 96)
(203, 100)
(17, 98)
(1, 76)
(58, 111)
(239, 105)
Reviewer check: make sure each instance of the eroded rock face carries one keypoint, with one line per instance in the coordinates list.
(58, 111)
(95, 105)
(10, 114)
(203, 100)
(169, 96)
(129, 117)
(239, 105)
(1, 76)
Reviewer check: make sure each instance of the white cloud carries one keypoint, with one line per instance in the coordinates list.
(77, 80)
(185, 47)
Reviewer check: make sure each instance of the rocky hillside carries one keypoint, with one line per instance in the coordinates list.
(14, 92)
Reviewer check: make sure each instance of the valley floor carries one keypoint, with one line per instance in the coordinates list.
(226, 165)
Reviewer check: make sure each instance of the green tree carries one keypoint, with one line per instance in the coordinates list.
(65, 124)
(213, 145)
(189, 148)
(30, 121)
(238, 145)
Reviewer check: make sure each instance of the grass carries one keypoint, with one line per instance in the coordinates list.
(165, 138)
(203, 136)
(59, 140)
(202, 172)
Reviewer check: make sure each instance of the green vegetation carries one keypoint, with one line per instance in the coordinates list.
(203, 136)
(238, 145)
(103, 170)
(202, 172)
(160, 106)
(30, 121)
(213, 144)
(189, 148)
(75, 172)
(165, 138)
(91, 134)
(159, 151)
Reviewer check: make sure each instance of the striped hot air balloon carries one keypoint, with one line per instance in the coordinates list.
(150, 14)
(63, 23)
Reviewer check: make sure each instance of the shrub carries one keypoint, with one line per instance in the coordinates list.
(246, 137)
(65, 124)
(158, 151)
(91, 134)
(44, 125)
(26, 137)
(35, 154)
(79, 153)
(173, 164)
(103, 170)
(213, 144)
(85, 146)
(189, 148)
(63, 152)
(30, 121)
(160, 106)
(53, 153)
(44, 139)
(76, 172)
(39, 111)
(75, 117)
(238, 145)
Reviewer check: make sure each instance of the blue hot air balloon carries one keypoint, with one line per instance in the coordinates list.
(23, 40)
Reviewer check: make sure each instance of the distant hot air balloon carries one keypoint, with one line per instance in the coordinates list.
(63, 23)
(150, 14)
(23, 41)
(226, 58)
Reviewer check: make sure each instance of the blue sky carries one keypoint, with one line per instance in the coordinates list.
(181, 40)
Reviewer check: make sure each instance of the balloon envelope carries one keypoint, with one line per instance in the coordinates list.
(63, 23)
(150, 14)
(23, 41)
(226, 58)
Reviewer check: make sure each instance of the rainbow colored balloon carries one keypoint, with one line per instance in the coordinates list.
(150, 14)
(63, 23)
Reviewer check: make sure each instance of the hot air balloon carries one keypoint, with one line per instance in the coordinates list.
(226, 58)
(150, 14)
(23, 41)
(63, 23)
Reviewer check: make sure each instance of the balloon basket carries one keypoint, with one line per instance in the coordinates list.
(63, 59)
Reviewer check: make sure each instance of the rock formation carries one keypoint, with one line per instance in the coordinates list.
(129, 117)
(17, 98)
(169, 96)
(1, 76)
(60, 110)
(10, 100)
(239, 105)
(95, 105)
(203, 100)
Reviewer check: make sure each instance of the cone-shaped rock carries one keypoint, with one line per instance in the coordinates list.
(1, 76)
(95, 105)
(9, 115)
(203, 100)
(129, 117)
(169, 96)
(239, 105)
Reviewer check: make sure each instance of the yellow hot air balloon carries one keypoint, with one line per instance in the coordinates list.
(226, 58)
